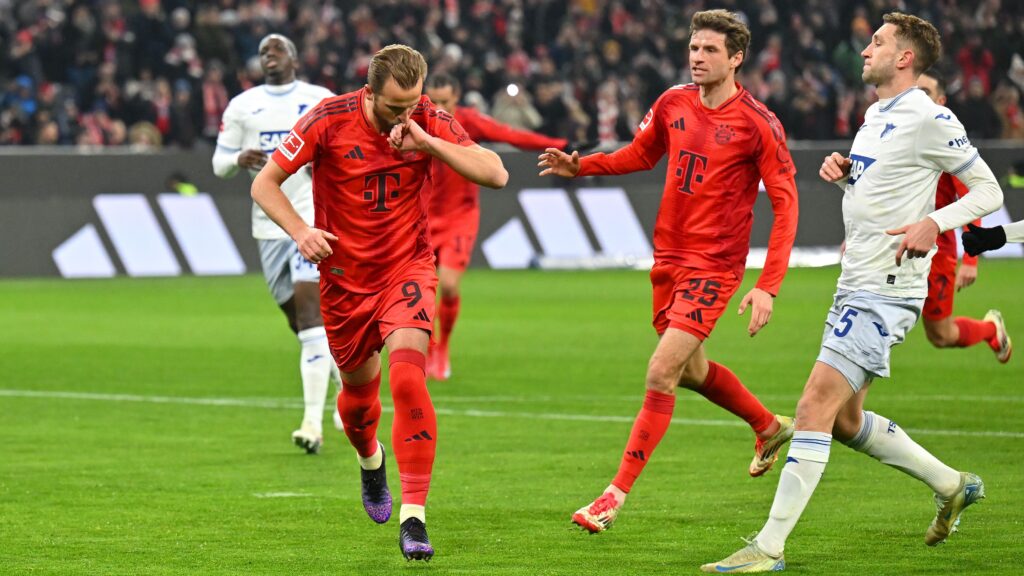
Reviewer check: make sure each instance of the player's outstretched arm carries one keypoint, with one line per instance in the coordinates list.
(266, 191)
(474, 163)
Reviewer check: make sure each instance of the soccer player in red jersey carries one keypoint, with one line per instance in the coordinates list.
(720, 143)
(942, 329)
(371, 152)
(454, 209)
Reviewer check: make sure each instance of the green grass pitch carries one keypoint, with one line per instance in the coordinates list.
(144, 429)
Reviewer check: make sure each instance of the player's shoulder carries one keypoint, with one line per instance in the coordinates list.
(335, 109)
(248, 97)
(426, 108)
(307, 89)
(758, 114)
(462, 113)
(680, 92)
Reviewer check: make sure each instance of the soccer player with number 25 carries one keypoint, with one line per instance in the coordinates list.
(721, 143)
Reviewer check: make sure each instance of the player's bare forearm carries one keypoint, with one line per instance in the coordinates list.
(266, 192)
(474, 163)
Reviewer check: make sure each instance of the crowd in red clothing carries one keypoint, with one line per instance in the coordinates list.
(160, 72)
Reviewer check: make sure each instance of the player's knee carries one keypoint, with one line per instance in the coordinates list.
(693, 377)
(449, 289)
(939, 338)
(847, 425)
(661, 377)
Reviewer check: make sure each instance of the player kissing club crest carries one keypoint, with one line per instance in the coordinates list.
(724, 133)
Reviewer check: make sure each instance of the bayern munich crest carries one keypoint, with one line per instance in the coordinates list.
(724, 133)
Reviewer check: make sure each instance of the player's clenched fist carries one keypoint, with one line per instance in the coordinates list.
(313, 244)
(835, 167)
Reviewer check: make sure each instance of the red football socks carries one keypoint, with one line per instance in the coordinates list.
(447, 315)
(414, 431)
(724, 389)
(359, 407)
(648, 429)
(973, 331)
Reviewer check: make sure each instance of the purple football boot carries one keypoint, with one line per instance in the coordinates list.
(376, 496)
(412, 537)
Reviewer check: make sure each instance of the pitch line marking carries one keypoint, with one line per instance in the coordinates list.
(471, 413)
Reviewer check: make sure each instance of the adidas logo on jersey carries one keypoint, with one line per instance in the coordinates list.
(696, 316)
(356, 154)
(679, 124)
(422, 315)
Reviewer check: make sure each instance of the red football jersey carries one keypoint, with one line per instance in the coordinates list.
(364, 192)
(454, 197)
(949, 190)
(716, 159)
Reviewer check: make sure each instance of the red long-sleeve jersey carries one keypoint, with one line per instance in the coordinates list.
(453, 199)
(716, 159)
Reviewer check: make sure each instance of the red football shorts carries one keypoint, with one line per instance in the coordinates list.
(358, 324)
(941, 286)
(688, 299)
(453, 240)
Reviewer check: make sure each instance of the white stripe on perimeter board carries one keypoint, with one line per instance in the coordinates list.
(282, 403)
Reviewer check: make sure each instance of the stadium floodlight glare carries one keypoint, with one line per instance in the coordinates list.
(512, 90)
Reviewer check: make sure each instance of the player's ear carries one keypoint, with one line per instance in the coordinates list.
(738, 57)
(369, 90)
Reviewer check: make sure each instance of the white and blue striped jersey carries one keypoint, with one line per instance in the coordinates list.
(905, 144)
(259, 118)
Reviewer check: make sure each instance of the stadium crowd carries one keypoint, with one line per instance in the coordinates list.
(152, 73)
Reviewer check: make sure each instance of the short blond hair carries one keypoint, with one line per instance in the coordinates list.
(397, 61)
(737, 35)
(924, 39)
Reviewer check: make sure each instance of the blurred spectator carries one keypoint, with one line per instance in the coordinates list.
(583, 67)
(976, 112)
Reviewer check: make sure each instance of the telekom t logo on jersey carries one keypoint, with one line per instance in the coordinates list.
(378, 190)
(691, 167)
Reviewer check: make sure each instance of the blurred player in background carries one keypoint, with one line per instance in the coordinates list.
(945, 278)
(906, 143)
(720, 142)
(371, 152)
(254, 123)
(454, 209)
